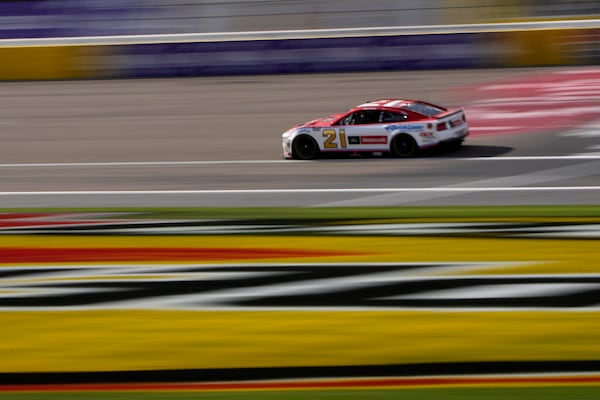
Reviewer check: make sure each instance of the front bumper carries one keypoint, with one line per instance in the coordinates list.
(286, 145)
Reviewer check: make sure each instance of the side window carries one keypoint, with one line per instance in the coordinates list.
(366, 117)
(347, 120)
(388, 116)
(363, 117)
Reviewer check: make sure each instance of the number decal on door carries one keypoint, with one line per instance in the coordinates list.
(331, 136)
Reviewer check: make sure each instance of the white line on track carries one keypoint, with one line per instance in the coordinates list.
(142, 163)
(276, 191)
(244, 162)
(523, 158)
(492, 128)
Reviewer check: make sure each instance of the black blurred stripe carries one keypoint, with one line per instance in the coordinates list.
(255, 374)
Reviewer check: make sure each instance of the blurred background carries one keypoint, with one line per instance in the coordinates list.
(56, 18)
(88, 38)
(72, 138)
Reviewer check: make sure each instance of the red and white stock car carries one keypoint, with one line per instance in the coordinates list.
(390, 126)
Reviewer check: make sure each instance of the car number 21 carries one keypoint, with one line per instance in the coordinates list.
(331, 137)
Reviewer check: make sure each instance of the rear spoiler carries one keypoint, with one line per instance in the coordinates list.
(450, 113)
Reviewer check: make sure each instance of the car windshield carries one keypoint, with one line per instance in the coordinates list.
(424, 109)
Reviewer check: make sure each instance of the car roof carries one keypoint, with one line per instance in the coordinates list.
(385, 103)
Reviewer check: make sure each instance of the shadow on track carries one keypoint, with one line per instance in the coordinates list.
(467, 151)
(470, 151)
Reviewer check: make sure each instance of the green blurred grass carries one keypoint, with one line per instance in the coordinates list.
(462, 393)
(321, 213)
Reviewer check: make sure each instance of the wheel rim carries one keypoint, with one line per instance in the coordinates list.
(305, 148)
(404, 146)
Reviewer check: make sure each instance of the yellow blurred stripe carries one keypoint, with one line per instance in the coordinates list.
(46, 62)
(138, 339)
(545, 47)
(132, 340)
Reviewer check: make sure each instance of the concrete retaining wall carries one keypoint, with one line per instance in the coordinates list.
(376, 49)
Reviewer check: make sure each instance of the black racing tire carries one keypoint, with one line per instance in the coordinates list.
(404, 146)
(305, 147)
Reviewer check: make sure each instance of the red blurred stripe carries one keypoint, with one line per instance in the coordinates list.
(46, 255)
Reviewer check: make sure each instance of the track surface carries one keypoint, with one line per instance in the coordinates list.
(216, 142)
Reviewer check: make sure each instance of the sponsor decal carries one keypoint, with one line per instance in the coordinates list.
(454, 123)
(405, 127)
(373, 140)
(304, 130)
(353, 139)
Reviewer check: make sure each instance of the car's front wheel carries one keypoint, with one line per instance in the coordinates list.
(305, 148)
(404, 145)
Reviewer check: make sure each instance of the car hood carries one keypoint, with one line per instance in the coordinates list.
(324, 121)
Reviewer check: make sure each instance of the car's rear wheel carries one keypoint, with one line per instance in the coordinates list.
(305, 148)
(404, 145)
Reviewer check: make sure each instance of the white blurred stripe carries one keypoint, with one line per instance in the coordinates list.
(319, 190)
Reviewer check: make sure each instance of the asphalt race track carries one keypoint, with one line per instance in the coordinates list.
(216, 142)
(196, 304)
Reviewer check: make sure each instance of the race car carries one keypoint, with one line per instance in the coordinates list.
(396, 127)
